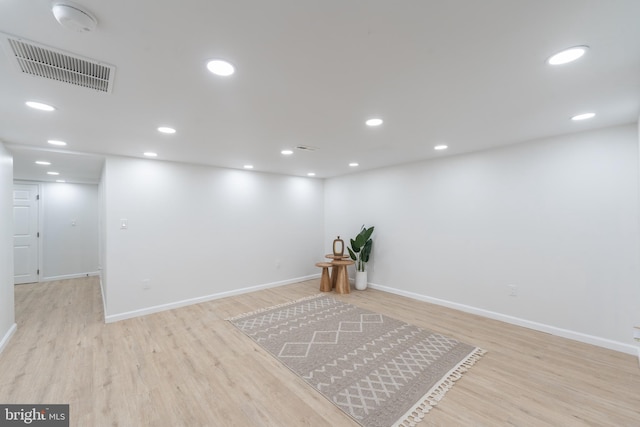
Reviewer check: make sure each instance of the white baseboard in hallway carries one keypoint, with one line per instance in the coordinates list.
(70, 276)
(7, 337)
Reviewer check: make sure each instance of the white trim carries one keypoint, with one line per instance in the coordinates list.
(5, 340)
(565, 333)
(104, 301)
(157, 308)
(70, 276)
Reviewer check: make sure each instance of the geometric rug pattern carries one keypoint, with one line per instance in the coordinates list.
(376, 369)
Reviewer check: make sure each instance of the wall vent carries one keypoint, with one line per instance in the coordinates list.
(42, 61)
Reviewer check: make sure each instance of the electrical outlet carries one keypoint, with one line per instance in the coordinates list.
(146, 284)
(513, 291)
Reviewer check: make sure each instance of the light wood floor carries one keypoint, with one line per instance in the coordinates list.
(189, 367)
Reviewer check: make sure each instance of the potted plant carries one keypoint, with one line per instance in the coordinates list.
(360, 251)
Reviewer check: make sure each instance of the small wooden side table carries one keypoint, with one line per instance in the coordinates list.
(325, 280)
(334, 271)
(342, 277)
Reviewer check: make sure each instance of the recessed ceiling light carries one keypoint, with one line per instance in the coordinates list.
(165, 129)
(56, 142)
(374, 122)
(53, 173)
(286, 152)
(311, 174)
(583, 116)
(61, 180)
(441, 147)
(220, 68)
(567, 55)
(353, 164)
(42, 162)
(150, 154)
(39, 106)
(248, 166)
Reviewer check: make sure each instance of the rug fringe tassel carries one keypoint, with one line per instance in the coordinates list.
(435, 395)
(262, 310)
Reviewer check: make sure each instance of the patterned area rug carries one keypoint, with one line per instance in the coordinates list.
(378, 370)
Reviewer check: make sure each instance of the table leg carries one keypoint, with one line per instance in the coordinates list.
(334, 276)
(325, 281)
(342, 281)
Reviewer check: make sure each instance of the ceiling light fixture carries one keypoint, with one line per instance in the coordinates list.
(150, 154)
(42, 162)
(40, 106)
(584, 116)
(56, 142)
(374, 122)
(441, 147)
(353, 164)
(73, 17)
(53, 173)
(220, 67)
(286, 152)
(61, 181)
(248, 166)
(567, 55)
(311, 174)
(166, 129)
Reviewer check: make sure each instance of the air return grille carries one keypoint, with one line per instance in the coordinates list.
(45, 62)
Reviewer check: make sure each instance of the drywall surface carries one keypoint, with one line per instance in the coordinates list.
(69, 230)
(554, 221)
(176, 232)
(7, 313)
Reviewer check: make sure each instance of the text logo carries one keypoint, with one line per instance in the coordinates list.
(34, 415)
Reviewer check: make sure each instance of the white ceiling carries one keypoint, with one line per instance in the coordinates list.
(467, 73)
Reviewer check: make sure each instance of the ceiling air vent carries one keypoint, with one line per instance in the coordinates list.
(49, 63)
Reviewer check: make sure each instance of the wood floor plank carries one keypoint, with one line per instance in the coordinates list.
(190, 367)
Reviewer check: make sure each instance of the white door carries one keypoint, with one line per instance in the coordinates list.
(25, 233)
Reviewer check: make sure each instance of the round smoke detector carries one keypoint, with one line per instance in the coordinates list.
(73, 17)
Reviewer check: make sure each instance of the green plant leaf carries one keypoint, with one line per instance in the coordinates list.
(367, 233)
(366, 251)
(352, 255)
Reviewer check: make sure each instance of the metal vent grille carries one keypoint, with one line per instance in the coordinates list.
(45, 62)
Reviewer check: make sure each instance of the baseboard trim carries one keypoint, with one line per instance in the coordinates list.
(7, 337)
(69, 276)
(104, 300)
(177, 304)
(541, 327)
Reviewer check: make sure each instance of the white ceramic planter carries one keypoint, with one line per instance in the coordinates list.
(361, 280)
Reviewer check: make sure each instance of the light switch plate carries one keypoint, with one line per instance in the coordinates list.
(124, 223)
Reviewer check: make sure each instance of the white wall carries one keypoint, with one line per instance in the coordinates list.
(102, 236)
(199, 232)
(558, 218)
(69, 250)
(7, 314)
